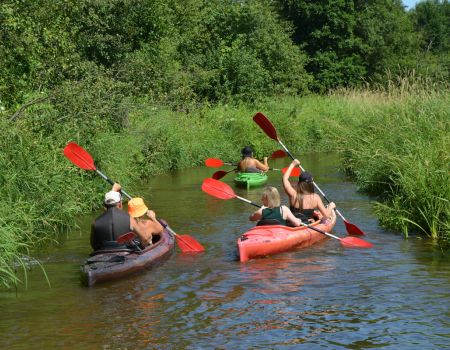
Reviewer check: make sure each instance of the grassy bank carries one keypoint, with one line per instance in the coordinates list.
(394, 143)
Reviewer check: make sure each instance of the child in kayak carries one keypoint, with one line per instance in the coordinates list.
(272, 211)
(145, 220)
(248, 164)
(304, 203)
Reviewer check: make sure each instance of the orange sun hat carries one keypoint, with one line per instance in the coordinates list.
(136, 207)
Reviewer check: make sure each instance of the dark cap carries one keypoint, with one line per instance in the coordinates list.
(247, 151)
(305, 177)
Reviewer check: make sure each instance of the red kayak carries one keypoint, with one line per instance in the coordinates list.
(105, 265)
(261, 241)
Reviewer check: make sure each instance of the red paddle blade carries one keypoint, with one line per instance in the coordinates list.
(213, 162)
(354, 242)
(278, 154)
(295, 172)
(79, 156)
(353, 229)
(219, 174)
(126, 238)
(265, 125)
(217, 189)
(187, 244)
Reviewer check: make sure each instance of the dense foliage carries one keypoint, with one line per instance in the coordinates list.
(88, 70)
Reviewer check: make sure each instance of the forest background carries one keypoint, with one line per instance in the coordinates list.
(155, 85)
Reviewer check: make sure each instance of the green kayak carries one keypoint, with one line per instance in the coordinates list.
(249, 180)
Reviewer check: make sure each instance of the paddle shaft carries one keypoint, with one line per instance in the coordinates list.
(111, 182)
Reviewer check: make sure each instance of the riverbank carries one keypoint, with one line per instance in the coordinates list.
(393, 143)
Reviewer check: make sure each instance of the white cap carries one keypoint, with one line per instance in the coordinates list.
(112, 197)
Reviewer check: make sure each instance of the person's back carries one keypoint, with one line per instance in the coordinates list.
(272, 212)
(304, 203)
(248, 164)
(109, 226)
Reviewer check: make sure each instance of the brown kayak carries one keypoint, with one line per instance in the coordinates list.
(108, 265)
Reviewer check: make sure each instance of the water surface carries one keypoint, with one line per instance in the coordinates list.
(394, 296)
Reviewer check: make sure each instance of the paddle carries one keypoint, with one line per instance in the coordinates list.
(270, 131)
(221, 190)
(81, 158)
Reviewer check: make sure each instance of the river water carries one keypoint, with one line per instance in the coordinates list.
(393, 296)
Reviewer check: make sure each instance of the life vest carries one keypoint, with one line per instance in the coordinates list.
(273, 214)
(108, 227)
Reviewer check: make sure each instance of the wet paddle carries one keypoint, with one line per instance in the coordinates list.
(221, 190)
(82, 159)
(270, 131)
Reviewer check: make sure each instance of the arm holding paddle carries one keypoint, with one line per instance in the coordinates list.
(288, 188)
(270, 131)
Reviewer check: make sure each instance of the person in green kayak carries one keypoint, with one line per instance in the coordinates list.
(248, 164)
(304, 203)
(272, 211)
(115, 222)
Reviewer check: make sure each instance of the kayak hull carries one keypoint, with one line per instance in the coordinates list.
(250, 180)
(262, 241)
(115, 264)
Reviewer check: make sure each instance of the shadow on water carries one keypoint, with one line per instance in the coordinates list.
(394, 296)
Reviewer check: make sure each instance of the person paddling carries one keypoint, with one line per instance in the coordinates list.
(302, 199)
(272, 211)
(114, 222)
(248, 164)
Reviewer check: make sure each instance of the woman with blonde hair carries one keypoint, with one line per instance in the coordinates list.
(273, 211)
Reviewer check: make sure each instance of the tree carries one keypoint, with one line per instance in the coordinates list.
(350, 41)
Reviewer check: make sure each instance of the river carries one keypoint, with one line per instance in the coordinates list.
(393, 296)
